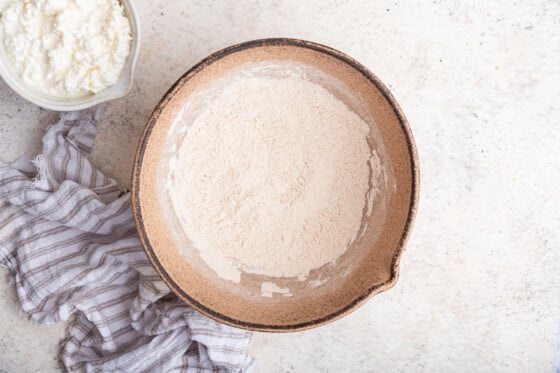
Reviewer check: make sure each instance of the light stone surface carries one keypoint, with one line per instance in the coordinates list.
(480, 85)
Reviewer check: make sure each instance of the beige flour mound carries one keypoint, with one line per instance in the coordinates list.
(271, 178)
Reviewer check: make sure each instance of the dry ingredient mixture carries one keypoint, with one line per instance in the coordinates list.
(271, 178)
(66, 48)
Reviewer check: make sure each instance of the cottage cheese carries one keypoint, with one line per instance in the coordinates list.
(66, 48)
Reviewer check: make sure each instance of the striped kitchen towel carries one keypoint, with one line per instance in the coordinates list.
(68, 239)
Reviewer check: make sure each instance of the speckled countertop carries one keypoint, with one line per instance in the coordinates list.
(480, 85)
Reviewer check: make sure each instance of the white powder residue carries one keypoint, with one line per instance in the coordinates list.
(268, 289)
(66, 47)
(272, 178)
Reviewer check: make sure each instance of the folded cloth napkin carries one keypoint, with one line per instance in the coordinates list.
(68, 239)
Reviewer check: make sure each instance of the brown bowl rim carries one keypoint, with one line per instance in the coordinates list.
(415, 181)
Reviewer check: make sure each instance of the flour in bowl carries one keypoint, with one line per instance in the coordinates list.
(272, 177)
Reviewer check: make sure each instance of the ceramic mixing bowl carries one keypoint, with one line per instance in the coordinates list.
(368, 267)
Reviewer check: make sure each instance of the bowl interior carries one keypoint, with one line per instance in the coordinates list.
(119, 89)
(370, 264)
